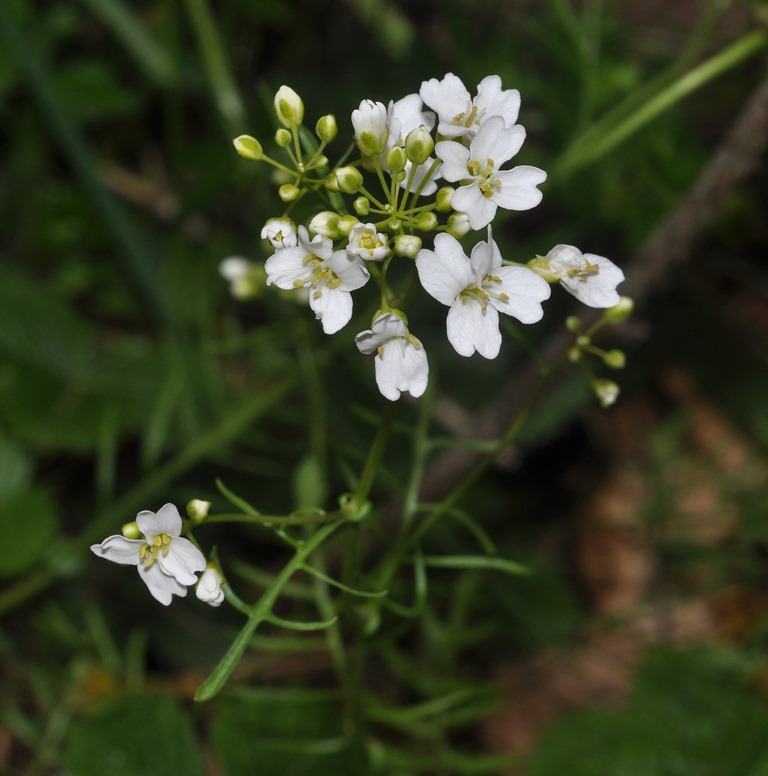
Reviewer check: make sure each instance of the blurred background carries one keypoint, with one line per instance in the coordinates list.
(130, 377)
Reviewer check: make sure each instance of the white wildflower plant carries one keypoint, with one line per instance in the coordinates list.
(432, 168)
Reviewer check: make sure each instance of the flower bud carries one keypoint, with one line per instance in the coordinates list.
(347, 224)
(615, 359)
(419, 145)
(620, 312)
(248, 147)
(208, 588)
(407, 245)
(458, 225)
(427, 221)
(320, 161)
(198, 510)
(396, 159)
(573, 323)
(131, 531)
(326, 223)
(371, 129)
(326, 128)
(362, 206)
(443, 199)
(574, 354)
(289, 107)
(288, 192)
(246, 280)
(583, 341)
(280, 232)
(348, 179)
(607, 391)
(283, 137)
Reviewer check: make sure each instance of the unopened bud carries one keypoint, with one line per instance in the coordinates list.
(362, 206)
(288, 192)
(458, 225)
(198, 510)
(348, 179)
(347, 224)
(326, 128)
(248, 147)
(396, 159)
(326, 223)
(427, 221)
(131, 531)
(573, 323)
(283, 137)
(289, 107)
(407, 245)
(620, 312)
(419, 145)
(607, 391)
(443, 199)
(615, 359)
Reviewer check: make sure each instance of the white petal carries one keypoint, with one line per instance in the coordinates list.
(526, 291)
(471, 329)
(494, 141)
(402, 367)
(480, 209)
(120, 550)
(168, 520)
(491, 100)
(332, 306)
(485, 257)
(445, 272)
(162, 586)
(454, 157)
(597, 289)
(182, 561)
(350, 270)
(448, 97)
(209, 588)
(287, 266)
(385, 327)
(518, 187)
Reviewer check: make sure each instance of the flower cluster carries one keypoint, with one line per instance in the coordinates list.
(436, 161)
(167, 562)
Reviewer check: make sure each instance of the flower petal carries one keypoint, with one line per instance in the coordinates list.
(402, 367)
(472, 328)
(525, 291)
(445, 272)
(480, 210)
(182, 561)
(454, 157)
(350, 270)
(120, 550)
(492, 100)
(286, 266)
(518, 187)
(448, 97)
(332, 306)
(162, 586)
(497, 142)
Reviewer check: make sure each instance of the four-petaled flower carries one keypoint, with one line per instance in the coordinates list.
(486, 187)
(401, 362)
(591, 279)
(461, 115)
(477, 289)
(280, 232)
(367, 243)
(329, 275)
(167, 563)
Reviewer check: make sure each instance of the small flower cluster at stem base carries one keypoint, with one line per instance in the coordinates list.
(433, 166)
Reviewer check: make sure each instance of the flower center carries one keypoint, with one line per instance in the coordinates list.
(321, 276)
(468, 117)
(488, 282)
(149, 551)
(582, 273)
(488, 185)
(370, 241)
(477, 294)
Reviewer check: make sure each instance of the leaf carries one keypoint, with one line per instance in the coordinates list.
(27, 525)
(131, 734)
(476, 562)
(308, 484)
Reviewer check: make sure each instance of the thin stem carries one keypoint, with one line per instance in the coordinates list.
(374, 458)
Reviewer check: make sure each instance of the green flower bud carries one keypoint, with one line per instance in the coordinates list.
(288, 192)
(615, 359)
(348, 179)
(458, 225)
(607, 391)
(620, 312)
(393, 224)
(443, 199)
(326, 128)
(427, 221)
(573, 323)
(131, 531)
(396, 159)
(583, 341)
(289, 107)
(419, 145)
(283, 137)
(407, 245)
(347, 224)
(326, 223)
(574, 354)
(198, 510)
(248, 147)
(362, 206)
(321, 161)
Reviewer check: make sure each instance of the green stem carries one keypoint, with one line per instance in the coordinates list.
(325, 517)
(258, 613)
(374, 458)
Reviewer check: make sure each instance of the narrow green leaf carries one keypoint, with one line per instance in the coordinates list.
(476, 562)
(235, 500)
(300, 626)
(351, 590)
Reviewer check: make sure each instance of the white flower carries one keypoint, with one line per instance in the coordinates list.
(166, 562)
(477, 289)
(246, 279)
(591, 279)
(401, 362)
(486, 187)
(209, 587)
(367, 243)
(371, 128)
(280, 232)
(329, 275)
(460, 116)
